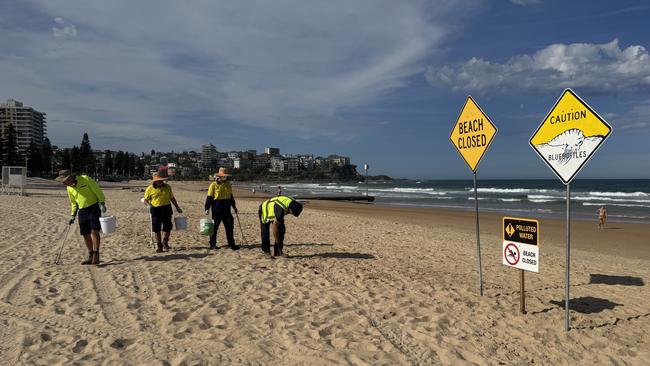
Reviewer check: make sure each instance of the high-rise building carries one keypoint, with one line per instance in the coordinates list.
(28, 122)
(209, 157)
(272, 151)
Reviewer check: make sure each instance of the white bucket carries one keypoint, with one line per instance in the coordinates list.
(180, 222)
(108, 223)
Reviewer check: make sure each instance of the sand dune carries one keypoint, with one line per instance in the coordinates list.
(353, 289)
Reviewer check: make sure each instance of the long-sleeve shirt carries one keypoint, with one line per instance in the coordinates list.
(84, 193)
(220, 198)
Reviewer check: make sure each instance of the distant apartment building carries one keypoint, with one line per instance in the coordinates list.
(225, 163)
(272, 151)
(234, 155)
(338, 160)
(277, 164)
(241, 163)
(260, 162)
(209, 157)
(29, 123)
(293, 164)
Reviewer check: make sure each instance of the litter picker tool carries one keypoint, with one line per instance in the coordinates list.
(240, 228)
(57, 260)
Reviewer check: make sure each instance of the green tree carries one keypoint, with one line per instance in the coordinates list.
(132, 165)
(65, 159)
(34, 160)
(46, 156)
(107, 166)
(86, 155)
(75, 159)
(11, 156)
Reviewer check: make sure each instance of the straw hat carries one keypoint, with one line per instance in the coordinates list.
(157, 177)
(64, 175)
(223, 172)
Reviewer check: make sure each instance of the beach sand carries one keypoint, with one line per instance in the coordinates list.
(361, 284)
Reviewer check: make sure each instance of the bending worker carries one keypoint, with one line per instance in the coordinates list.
(87, 200)
(159, 197)
(220, 199)
(271, 213)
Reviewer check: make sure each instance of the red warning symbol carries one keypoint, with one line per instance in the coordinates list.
(511, 254)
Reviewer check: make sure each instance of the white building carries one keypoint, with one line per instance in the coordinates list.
(28, 122)
(277, 164)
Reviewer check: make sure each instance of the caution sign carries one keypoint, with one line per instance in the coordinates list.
(521, 243)
(569, 135)
(472, 133)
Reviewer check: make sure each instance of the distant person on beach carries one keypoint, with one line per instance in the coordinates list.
(271, 214)
(159, 197)
(88, 202)
(220, 200)
(279, 190)
(602, 217)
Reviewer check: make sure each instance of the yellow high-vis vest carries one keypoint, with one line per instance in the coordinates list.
(268, 207)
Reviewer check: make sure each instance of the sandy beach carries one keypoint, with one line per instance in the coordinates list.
(361, 284)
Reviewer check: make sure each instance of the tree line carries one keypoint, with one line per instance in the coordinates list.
(38, 159)
(44, 160)
(81, 159)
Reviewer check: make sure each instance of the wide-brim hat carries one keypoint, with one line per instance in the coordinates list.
(63, 175)
(157, 177)
(223, 172)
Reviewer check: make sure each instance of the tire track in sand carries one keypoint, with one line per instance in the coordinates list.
(75, 327)
(411, 349)
(108, 297)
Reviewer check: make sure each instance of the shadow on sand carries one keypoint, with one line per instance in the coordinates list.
(258, 246)
(602, 279)
(587, 305)
(164, 257)
(337, 255)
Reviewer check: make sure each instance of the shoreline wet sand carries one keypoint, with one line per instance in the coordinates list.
(359, 285)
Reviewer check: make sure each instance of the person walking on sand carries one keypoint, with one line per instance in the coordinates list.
(602, 217)
(159, 197)
(88, 202)
(271, 213)
(221, 200)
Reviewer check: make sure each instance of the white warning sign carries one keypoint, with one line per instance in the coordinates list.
(521, 243)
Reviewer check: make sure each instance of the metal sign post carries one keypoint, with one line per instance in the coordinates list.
(471, 136)
(565, 141)
(567, 315)
(522, 292)
(478, 240)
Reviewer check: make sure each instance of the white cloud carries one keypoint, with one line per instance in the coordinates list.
(594, 68)
(288, 66)
(68, 30)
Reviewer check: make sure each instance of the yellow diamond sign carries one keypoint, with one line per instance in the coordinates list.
(472, 133)
(510, 230)
(569, 135)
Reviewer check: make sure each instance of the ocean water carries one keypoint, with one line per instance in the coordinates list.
(626, 200)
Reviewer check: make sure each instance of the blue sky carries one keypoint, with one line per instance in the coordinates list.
(381, 81)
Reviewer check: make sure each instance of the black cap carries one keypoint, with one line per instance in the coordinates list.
(295, 207)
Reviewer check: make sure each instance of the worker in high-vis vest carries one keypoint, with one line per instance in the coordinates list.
(221, 200)
(271, 214)
(87, 201)
(159, 197)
